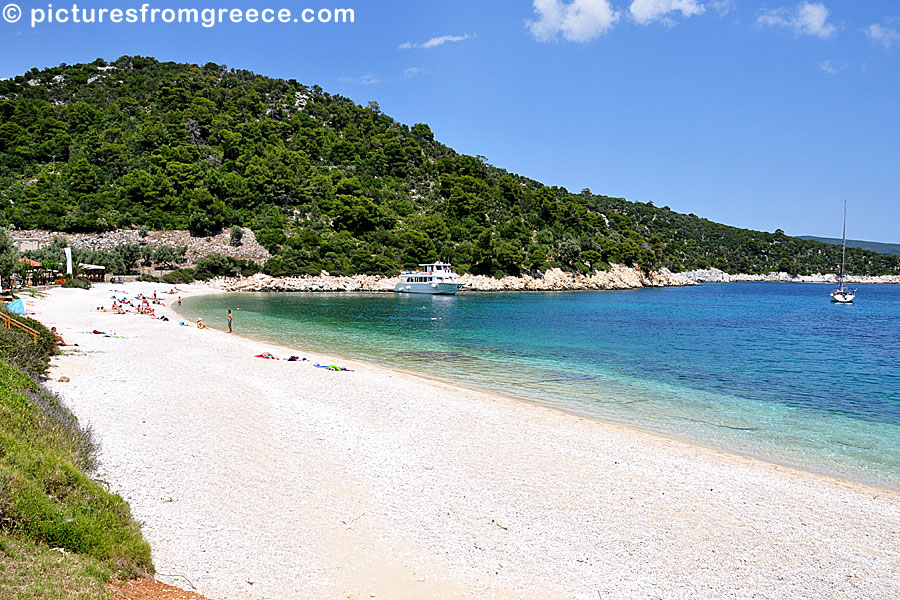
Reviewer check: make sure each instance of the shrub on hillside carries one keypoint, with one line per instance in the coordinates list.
(237, 236)
(77, 282)
(18, 347)
(178, 276)
(217, 265)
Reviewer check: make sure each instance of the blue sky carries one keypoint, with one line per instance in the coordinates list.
(756, 114)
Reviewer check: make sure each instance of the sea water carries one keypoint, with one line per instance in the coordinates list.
(774, 371)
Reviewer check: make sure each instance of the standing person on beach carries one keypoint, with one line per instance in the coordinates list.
(230, 319)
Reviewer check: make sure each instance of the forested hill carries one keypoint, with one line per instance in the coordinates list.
(325, 183)
(874, 246)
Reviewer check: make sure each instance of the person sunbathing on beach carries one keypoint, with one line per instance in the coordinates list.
(200, 324)
(59, 341)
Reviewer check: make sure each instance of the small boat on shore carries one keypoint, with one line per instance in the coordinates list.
(429, 278)
(843, 295)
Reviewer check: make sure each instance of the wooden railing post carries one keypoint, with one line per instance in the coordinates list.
(8, 322)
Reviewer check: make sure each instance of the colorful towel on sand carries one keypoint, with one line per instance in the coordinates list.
(104, 334)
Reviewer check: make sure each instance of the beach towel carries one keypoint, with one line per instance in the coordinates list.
(16, 306)
(109, 335)
(333, 367)
(267, 355)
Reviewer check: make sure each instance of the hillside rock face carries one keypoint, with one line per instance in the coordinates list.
(617, 278)
(197, 247)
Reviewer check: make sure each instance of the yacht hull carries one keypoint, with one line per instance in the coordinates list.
(843, 297)
(446, 289)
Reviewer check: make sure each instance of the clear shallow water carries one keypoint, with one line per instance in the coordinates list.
(774, 371)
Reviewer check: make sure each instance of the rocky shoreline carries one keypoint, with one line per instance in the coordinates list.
(619, 277)
(717, 276)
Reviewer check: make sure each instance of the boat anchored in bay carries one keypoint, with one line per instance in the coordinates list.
(430, 278)
(843, 295)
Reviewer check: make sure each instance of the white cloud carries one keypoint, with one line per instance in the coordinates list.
(434, 42)
(647, 11)
(577, 21)
(805, 18)
(412, 72)
(833, 67)
(440, 41)
(882, 34)
(362, 79)
(723, 7)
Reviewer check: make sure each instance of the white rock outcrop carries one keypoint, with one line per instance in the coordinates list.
(717, 276)
(617, 278)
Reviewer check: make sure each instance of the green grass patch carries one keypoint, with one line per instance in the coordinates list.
(30, 571)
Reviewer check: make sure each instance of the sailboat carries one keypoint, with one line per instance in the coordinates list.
(843, 295)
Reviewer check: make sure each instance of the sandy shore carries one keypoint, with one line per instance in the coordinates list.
(272, 479)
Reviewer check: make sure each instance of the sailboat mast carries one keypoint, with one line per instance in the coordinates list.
(843, 244)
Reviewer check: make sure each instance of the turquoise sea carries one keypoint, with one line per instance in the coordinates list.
(773, 371)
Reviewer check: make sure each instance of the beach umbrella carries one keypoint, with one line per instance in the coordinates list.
(68, 253)
(16, 306)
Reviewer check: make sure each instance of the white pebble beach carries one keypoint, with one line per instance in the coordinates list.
(265, 479)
